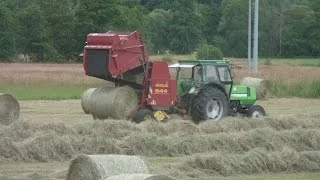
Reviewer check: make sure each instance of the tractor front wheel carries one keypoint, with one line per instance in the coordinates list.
(209, 104)
(144, 115)
(256, 111)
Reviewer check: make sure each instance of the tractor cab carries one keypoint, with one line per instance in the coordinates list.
(193, 74)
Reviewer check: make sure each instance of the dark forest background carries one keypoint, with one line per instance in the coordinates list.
(55, 30)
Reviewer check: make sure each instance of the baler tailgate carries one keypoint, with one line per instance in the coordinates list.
(98, 62)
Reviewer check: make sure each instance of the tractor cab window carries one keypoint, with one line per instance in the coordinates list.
(198, 76)
(224, 74)
(185, 73)
(211, 74)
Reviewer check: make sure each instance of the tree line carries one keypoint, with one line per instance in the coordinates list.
(55, 30)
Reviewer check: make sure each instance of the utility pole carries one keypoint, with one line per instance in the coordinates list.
(249, 38)
(256, 35)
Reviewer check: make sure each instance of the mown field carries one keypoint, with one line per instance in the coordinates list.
(53, 129)
(50, 133)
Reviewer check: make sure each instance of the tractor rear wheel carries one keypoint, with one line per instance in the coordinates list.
(143, 115)
(209, 104)
(256, 111)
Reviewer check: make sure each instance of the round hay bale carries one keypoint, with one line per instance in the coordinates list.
(116, 103)
(9, 109)
(139, 177)
(85, 100)
(92, 167)
(260, 84)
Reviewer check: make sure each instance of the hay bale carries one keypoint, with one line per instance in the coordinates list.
(260, 84)
(9, 109)
(139, 177)
(85, 100)
(116, 103)
(94, 167)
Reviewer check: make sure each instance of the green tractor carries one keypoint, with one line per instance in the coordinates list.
(206, 91)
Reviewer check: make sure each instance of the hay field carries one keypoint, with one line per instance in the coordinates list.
(29, 73)
(63, 74)
(50, 133)
(285, 145)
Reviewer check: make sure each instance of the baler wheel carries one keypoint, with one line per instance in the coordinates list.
(143, 115)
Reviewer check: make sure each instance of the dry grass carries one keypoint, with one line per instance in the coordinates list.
(26, 141)
(279, 72)
(62, 74)
(57, 131)
(285, 79)
(17, 73)
(257, 160)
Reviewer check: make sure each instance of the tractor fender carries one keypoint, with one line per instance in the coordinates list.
(215, 85)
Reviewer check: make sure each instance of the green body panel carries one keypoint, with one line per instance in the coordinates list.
(244, 94)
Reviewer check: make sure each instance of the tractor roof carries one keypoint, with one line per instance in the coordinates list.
(192, 63)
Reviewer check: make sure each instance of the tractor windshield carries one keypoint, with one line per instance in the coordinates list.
(216, 73)
(224, 74)
(211, 74)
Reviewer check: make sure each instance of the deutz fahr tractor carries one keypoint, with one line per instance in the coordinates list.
(207, 92)
(204, 89)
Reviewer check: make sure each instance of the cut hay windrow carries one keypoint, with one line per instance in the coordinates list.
(24, 141)
(116, 103)
(260, 84)
(139, 177)
(236, 124)
(46, 148)
(299, 139)
(255, 161)
(232, 124)
(9, 109)
(111, 129)
(85, 100)
(99, 167)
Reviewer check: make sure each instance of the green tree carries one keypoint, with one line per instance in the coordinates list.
(7, 35)
(95, 16)
(60, 25)
(296, 33)
(99, 16)
(233, 28)
(150, 4)
(133, 18)
(211, 13)
(285, 28)
(272, 19)
(206, 51)
(185, 27)
(34, 39)
(314, 30)
(159, 24)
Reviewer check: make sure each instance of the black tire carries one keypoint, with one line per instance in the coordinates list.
(202, 105)
(256, 111)
(143, 115)
(185, 101)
